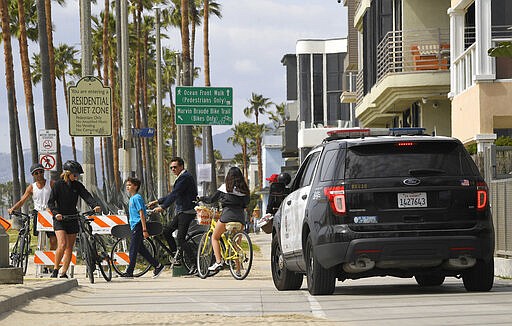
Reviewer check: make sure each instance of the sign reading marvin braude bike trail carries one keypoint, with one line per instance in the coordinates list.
(204, 105)
(90, 108)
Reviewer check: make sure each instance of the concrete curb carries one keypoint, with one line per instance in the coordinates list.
(44, 289)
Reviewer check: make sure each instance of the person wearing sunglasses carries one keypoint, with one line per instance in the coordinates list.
(184, 193)
(40, 193)
(63, 200)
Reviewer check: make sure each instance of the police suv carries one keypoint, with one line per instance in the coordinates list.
(391, 202)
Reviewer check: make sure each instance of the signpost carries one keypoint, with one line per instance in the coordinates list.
(204, 105)
(90, 108)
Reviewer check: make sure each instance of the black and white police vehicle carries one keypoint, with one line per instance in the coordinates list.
(402, 204)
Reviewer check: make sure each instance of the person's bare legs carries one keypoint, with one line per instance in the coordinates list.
(53, 242)
(66, 260)
(220, 228)
(61, 246)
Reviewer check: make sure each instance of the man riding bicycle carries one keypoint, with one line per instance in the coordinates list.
(184, 193)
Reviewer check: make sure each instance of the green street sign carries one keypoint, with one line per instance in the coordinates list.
(204, 105)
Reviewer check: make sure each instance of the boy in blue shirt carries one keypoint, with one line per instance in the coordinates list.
(137, 213)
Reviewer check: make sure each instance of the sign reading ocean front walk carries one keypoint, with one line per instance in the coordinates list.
(90, 108)
(204, 105)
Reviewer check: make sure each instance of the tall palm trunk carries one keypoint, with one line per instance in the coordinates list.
(11, 99)
(49, 116)
(27, 81)
(144, 119)
(115, 130)
(208, 129)
(136, 103)
(188, 139)
(51, 59)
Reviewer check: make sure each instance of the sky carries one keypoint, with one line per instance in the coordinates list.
(246, 48)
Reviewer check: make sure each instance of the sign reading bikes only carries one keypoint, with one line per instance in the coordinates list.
(90, 108)
(204, 105)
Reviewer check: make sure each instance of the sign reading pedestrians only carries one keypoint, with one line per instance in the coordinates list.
(204, 105)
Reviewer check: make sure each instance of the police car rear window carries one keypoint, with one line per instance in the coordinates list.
(397, 159)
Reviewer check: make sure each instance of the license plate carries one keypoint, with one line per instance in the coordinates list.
(412, 199)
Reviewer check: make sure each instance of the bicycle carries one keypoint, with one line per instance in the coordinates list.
(92, 247)
(156, 247)
(21, 249)
(236, 250)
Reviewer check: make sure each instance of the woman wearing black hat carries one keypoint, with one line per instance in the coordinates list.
(63, 200)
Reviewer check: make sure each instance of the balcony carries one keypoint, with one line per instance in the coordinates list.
(409, 52)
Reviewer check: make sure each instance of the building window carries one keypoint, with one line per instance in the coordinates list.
(318, 89)
(305, 89)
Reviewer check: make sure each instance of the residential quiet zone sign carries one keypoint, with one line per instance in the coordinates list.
(90, 108)
(204, 105)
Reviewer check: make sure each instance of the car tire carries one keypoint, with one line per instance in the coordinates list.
(321, 281)
(283, 278)
(480, 278)
(429, 279)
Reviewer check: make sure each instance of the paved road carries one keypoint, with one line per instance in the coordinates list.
(190, 300)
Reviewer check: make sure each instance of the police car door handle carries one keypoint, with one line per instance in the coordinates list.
(304, 197)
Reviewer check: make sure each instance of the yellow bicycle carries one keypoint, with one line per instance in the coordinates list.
(236, 250)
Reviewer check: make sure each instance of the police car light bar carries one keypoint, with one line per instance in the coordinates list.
(348, 133)
(410, 131)
(365, 132)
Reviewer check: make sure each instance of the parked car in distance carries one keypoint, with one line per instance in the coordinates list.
(392, 202)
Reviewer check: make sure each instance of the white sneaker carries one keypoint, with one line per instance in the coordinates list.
(216, 266)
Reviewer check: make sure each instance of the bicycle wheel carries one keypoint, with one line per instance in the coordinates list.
(16, 252)
(88, 255)
(205, 255)
(120, 257)
(25, 252)
(103, 258)
(190, 252)
(240, 253)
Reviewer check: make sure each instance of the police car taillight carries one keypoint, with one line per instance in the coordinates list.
(482, 195)
(336, 197)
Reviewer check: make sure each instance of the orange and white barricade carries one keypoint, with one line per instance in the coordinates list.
(44, 221)
(121, 258)
(48, 258)
(103, 224)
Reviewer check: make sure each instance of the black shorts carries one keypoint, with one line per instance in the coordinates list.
(70, 226)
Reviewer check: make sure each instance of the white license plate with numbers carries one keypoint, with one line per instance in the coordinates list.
(412, 199)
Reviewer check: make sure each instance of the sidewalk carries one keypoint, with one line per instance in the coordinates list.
(13, 295)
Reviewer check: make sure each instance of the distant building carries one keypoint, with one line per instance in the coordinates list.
(314, 84)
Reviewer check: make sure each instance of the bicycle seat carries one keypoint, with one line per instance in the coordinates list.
(234, 226)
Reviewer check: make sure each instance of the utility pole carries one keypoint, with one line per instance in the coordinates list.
(125, 92)
(159, 124)
(85, 37)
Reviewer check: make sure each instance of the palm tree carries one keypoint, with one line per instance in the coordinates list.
(187, 141)
(278, 117)
(241, 136)
(11, 97)
(258, 105)
(67, 65)
(25, 27)
(207, 131)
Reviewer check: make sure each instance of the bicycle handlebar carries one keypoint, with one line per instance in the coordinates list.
(77, 216)
(19, 214)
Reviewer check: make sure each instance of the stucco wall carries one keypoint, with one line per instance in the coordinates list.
(482, 108)
(421, 14)
(438, 118)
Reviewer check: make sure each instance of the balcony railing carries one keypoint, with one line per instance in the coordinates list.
(408, 51)
(464, 65)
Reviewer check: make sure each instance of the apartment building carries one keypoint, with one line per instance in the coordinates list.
(315, 80)
(403, 51)
(481, 86)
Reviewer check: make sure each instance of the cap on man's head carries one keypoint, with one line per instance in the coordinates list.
(272, 178)
(35, 167)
